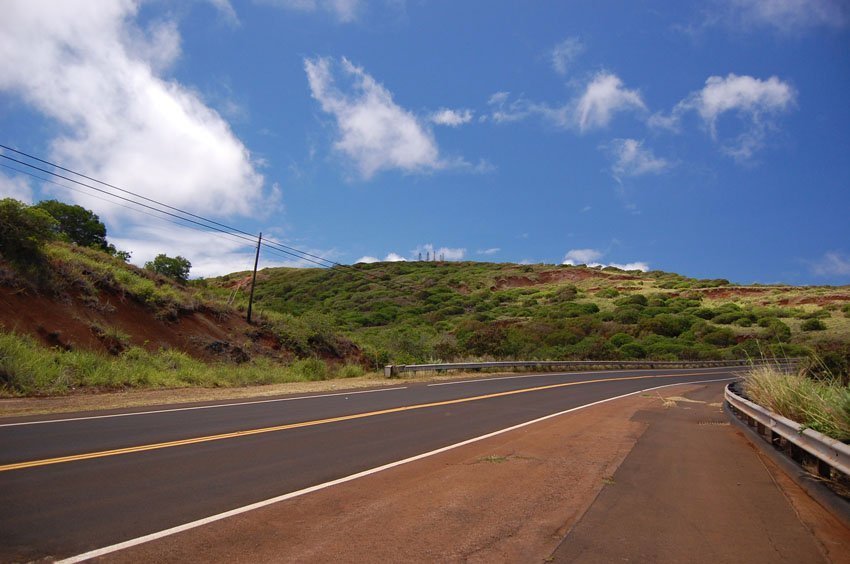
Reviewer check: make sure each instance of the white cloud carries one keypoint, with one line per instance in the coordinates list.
(489, 252)
(788, 15)
(832, 264)
(581, 256)
(451, 118)
(394, 257)
(374, 132)
(603, 97)
(344, 11)
(391, 257)
(642, 266)
(16, 187)
(754, 101)
(210, 254)
(441, 253)
(94, 71)
(632, 159)
(225, 9)
(591, 257)
(564, 53)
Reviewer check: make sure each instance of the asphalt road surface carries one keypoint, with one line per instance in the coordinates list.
(78, 483)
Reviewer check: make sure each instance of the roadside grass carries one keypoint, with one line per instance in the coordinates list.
(822, 404)
(28, 368)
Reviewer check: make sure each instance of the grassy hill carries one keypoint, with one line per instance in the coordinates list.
(409, 312)
(80, 319)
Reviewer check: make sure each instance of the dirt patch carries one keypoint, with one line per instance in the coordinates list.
(724, 293)
(71, 323)
(560, 275)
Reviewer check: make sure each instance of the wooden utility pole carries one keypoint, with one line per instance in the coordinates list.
(254, 278)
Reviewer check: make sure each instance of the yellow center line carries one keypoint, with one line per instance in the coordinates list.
(249, 432)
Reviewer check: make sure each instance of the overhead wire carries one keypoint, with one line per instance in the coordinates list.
(275, 247)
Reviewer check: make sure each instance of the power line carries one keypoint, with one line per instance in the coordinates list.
(273, 246)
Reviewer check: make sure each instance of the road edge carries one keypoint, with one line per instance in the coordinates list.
(808, 483)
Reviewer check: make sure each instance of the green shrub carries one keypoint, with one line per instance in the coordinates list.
(620, 339)
(813, 324)
(668, 325)
(310, 369)
(23, 232)
(608, 293)
(633, 350)
(777, 331)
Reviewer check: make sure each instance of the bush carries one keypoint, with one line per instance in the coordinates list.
(666, 324)
(76, 223)
(176, 268)
(777, 331)
(633, 350)
(620, 339)
(23, 232)
(310, 369)
(813, 324)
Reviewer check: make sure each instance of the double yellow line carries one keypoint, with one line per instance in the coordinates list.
(249, 432)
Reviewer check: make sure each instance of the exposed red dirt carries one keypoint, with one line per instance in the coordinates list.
(561, 275)
(816, 300)
(722, 293)
(71, 323)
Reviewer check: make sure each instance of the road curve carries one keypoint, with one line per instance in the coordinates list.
(76, 484)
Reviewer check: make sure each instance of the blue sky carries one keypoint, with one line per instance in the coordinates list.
(710, 139)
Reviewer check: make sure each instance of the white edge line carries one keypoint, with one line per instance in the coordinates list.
(239, 510)
(475, 380)
(215, 406)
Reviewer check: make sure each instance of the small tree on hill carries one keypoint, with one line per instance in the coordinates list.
(172, 267)
(23, 231)
(79, 225)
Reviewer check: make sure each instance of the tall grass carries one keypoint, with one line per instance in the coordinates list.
(30, 369)
(822, 405)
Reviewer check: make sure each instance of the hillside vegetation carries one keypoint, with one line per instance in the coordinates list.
(408, 312)
(77, 316)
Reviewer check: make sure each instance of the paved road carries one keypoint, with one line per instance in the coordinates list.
(74, 485)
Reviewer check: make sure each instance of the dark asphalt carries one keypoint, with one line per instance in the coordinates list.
(65, 509)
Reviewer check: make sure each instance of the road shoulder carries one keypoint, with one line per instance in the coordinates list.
(694, 489)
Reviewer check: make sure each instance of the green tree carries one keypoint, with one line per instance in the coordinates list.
(23, 231)
(173, 267)
(79, 225)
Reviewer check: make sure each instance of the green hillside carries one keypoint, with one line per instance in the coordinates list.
(409, 312)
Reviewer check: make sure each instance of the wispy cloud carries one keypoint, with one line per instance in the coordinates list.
(756, 102)
(489, 252)
(564, 53)
(832, 264)
(16, 187)
(787, 16)
(590, 257)
(632, 159)
(375, 133)
(344, 11)
(452, 118)
(602, 97)
(441, 253)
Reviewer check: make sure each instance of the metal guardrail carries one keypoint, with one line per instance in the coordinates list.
(396, 370)
(828, 451)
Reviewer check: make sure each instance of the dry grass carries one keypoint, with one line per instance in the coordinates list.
(820, 405)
